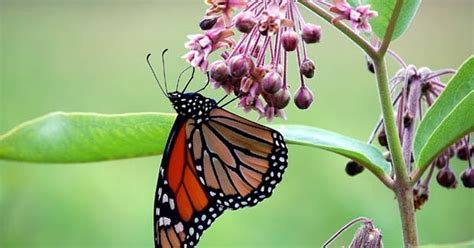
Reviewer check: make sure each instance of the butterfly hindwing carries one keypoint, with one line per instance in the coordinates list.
(238, 161)
(183, 208)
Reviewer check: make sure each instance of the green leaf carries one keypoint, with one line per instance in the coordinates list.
(449, 118)
(86, 137)
(359, 151)
(385, 9)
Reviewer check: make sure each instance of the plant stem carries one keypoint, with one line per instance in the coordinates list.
(389, 121)
(390, 28)
(407, 215)
(402, 185)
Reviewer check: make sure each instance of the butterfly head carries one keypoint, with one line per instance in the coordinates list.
(192, 104)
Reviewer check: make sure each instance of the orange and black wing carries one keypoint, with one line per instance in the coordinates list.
(183, 208)
(238, 161)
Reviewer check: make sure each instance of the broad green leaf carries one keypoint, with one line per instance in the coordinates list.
(385, 9)
(86, 137)
(359, 151)
(449, 118)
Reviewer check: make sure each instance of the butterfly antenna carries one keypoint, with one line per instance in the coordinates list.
(231, 100)
(154, 74)
(189, 81)
(205, 86)
(222, 99)
(164, 68)
(181, 74)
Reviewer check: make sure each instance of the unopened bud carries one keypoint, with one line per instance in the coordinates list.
(303, 97)
(272, 82)
(446, 178)
(463, 152)
(382, 138)
(207, 23)
(467, 178)
(245, 21)
(370, 64)
(311, 33)
(353, 168)
(290, 40)
(307, 68)
(281, 99)
(240, 66)
(219, 71)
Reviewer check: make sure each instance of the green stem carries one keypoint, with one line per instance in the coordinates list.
(402, 185)
(390, 28)
(391, 130)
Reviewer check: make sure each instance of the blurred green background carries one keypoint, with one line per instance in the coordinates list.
(90, 56)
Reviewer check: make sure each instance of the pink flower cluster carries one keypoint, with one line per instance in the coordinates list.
(255, 68)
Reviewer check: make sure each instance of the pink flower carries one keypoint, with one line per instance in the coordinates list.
(224, 7)
(273, 18)
(201, 45)
(250, 102)
(271, 112)
(358, 16)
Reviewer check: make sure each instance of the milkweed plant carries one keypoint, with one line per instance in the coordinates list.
(425, 123)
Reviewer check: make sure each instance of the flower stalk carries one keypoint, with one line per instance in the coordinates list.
(402, 185)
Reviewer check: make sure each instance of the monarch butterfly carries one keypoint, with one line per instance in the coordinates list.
(213, 161)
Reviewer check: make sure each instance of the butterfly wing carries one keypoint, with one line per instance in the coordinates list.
(238, 161)
(183, 208)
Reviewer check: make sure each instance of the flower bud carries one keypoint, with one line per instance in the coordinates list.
(289, 40)
(446, 178)
(382, 138)
(370, 64)
(272, 82)
(307, 68)
(463, 153)
(245, 21)
(353, 168)
(368, 237)
(303, 97)
(240, 66)
(467, 178)
(281, 99)
(311, 33)
(441, 162)
(219, 71)
(207, 23)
